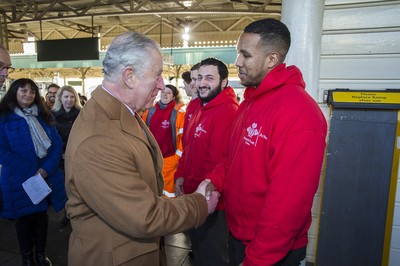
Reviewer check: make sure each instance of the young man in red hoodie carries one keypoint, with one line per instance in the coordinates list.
(194, 103)
(276, 151)
(206, 142)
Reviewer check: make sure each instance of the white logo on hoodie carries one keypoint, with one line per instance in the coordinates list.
(165, 124)
(199, 129)
(253, 135)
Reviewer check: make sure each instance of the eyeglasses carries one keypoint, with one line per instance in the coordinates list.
(3, 66)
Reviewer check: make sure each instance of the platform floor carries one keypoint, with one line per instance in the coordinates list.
(177, 246)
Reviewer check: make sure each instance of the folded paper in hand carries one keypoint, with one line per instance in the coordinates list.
(36, 188)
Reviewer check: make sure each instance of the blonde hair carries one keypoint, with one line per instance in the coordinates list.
(58, 104)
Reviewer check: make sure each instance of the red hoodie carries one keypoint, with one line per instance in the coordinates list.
(273, 167)
(207, 140)
(191, 109)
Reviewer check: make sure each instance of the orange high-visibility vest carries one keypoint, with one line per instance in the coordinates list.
(170, 163)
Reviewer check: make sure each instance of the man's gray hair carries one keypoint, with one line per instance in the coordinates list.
(128, 49)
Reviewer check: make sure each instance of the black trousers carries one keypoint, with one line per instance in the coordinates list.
(237, 249)
(210, 241)
(32, 233)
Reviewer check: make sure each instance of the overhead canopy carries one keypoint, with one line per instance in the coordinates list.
(210, 23)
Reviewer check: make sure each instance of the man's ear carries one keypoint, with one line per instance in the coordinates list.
(128, 75)
(273, 59)
(224, 83)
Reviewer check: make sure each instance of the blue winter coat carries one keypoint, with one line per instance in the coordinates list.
(19, 162)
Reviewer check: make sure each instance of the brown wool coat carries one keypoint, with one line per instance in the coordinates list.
(114, 183)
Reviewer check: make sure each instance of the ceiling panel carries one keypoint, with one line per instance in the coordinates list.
(210, 22)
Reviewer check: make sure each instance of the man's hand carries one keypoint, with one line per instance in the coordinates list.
(202, 187)
(179, 186)
(212, 201)
(209, 189)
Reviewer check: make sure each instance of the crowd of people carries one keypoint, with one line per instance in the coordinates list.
(239, 179)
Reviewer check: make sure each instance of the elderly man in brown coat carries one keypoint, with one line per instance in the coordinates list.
(113, 167)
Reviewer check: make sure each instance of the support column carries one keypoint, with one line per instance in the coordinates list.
(3, 30)
(304, 20)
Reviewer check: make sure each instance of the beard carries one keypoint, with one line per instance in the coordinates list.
(211, 95)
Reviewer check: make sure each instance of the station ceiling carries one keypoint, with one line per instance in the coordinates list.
(210, 22)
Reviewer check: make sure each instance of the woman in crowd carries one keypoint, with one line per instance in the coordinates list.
(165, 120)
(29, 145)
(65, 110)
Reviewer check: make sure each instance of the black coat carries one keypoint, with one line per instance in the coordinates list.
(64, 122)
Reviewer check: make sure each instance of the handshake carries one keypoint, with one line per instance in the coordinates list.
(211, 196)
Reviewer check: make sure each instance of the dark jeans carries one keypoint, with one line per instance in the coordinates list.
(32, 233)
(237, 249)
(210, 241)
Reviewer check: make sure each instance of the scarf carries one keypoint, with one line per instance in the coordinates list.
(162, 105)
(39, 137)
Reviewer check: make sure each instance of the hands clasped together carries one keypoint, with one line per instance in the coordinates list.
(206, 188)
